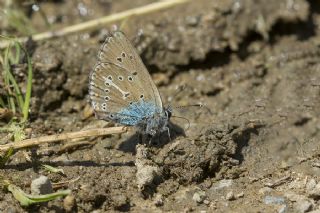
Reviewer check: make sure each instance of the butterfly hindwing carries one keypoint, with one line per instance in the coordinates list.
(115, 96)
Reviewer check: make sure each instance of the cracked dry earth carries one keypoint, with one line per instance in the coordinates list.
(253, 148)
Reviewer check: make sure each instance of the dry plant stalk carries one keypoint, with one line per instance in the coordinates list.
(60, 137)
(153, 7)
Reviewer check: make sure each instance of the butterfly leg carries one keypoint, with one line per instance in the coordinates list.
(144, 139)
(140, 138)
(168, 131)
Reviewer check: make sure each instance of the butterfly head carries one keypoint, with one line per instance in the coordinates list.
(156, 123)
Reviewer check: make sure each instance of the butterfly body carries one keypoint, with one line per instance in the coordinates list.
(121, 89)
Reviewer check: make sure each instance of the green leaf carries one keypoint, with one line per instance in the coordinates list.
(27, 200)
(52, 169)
(5, 158)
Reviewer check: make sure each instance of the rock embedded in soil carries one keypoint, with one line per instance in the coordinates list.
(313, 192)
(69, 203)
(41, 186)
(230, 196)
(302, 206)
(120, 201)
(274, 200)
(158, 200)
(147, 171)
(199, 196)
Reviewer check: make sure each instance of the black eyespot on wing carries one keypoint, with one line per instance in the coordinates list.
(141, 96)
(119, 59)
(123, 54)
(134, 73)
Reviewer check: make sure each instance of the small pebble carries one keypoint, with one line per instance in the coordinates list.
(274, 200)
(222, 184)
(41, 186)
(207, 202)
(311, 184)
(302, 206)
(69, 203)
(230, 196)
(199, 196)
(241, 194)
(282, 209)
(314, 192)
(120, 201)
(158, 200)
(265, 190)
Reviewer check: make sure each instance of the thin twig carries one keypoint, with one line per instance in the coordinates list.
(93, 24)
(64, 136)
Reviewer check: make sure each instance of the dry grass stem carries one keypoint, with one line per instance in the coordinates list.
(64, 136)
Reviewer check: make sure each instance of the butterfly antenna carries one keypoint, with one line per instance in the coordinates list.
(195, 105)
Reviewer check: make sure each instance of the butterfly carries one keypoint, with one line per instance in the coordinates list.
(121, 89)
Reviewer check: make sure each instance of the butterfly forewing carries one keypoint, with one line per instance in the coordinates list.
(117, 49)
(119, 80)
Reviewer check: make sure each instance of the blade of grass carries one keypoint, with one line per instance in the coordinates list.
(6, 72)
(26, 106)
(17, 92)
(27, 200)
(13, 81)
(2, 104)
(18, 52)
(6, 157)
(19, 21)
(52, 169)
